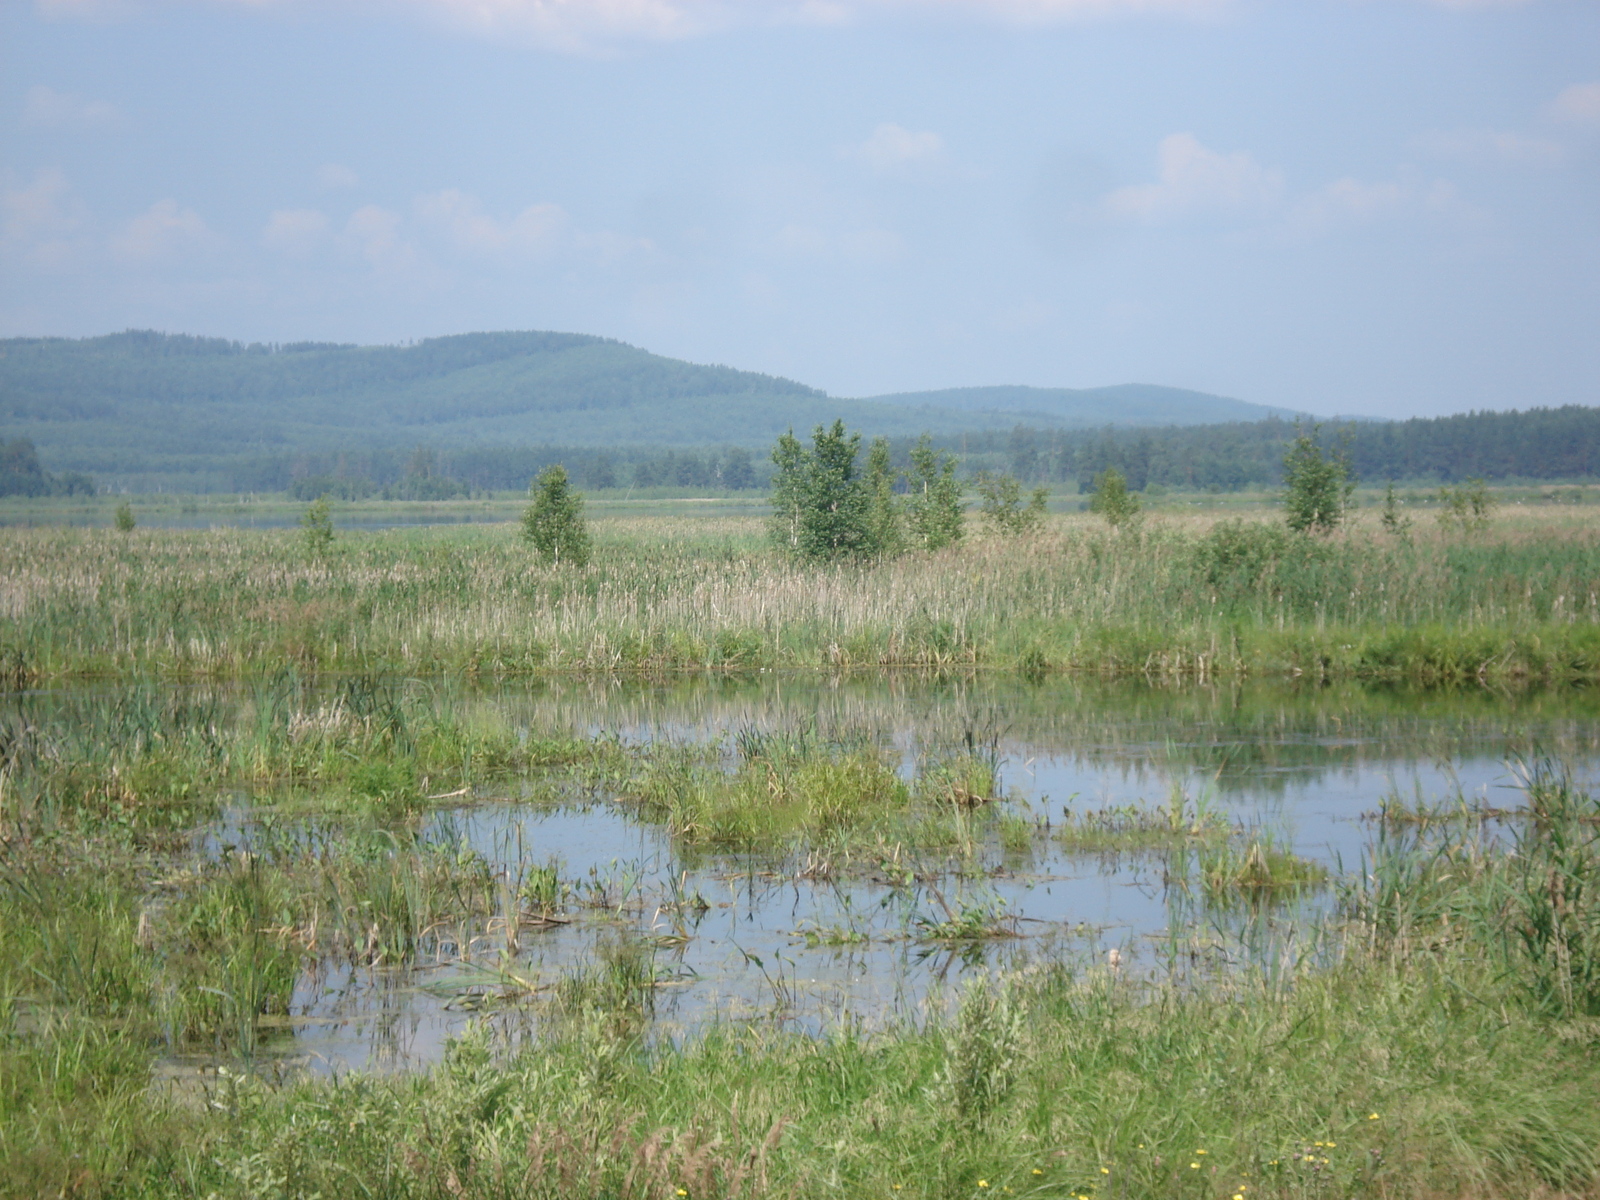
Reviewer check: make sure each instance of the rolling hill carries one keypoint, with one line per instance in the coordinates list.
(156, 405)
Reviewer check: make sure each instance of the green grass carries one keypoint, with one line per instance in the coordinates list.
(1454, 994)
(1178, 596)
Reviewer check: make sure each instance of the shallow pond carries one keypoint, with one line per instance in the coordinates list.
(732, 937)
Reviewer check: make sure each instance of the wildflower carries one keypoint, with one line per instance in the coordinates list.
(983, 1183)
(681, 1192)
(1036, 1171)
(1199, 1151)
(1331, 1145)
(1194, 1166)
(1105, 1170)
(1372, 1116)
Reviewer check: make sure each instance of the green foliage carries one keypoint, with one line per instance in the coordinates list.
(935, 514)
(21, 474)
(1111, 498)
(824, 506)
(316, 526)
(1002, 508)
(124, 519)
(1392, 520)
(1467, 506)
(1316, 486)
(554, 521)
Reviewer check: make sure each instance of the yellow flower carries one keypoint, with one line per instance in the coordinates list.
(1141, 1145)
(1199, 1151)
(1237, 1196)
(1036, 1171)
(1331, 1145)
(681, 1192)
(1273, 1163)
(983, 1183)
(1372, 1116)
(1194, 1166)
(1105, 1170)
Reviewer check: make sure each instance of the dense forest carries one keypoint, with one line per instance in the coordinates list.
(1539, 444)
(155, 411)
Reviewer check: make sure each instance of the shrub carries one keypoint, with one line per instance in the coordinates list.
(554, 521)
(317, 526)
(1316, 486)
(1002, 507)
(934, 511)
(124, 518)
(1112, 499)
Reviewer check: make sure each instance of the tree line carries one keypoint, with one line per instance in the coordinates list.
(22, 475)
(1540, 443)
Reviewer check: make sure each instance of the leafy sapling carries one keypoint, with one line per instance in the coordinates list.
(554, 522)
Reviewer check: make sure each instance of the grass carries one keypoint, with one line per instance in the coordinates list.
(1455, 993)
(1178, 595)
(1446, 1047)
(1130, 828)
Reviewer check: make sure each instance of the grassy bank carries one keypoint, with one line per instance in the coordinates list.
(1173, 596)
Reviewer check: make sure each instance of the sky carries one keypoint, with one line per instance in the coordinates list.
(1375, 207)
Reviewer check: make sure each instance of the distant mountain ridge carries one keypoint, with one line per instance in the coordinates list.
(1122, 404)
(147, 403)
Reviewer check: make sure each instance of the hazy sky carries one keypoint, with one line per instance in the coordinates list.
(1347, 206)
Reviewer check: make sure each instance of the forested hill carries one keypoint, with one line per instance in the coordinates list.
(159, 406)
(1123, 404)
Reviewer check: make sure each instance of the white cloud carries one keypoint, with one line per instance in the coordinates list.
(1197, 181)
(46, 108)
(375, 234)
(1490, 145)
(892, 148)
(537, 229)
(163, 231)
(335, 176)
(43, 221)
(1350, 201)
(1579, 104)
(296, 232)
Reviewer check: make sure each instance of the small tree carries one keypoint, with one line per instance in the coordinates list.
(1391, 519)
(885, 526)
(1467, 505)
(934, 512)
(1002, 507)
(1316, 486)
(554, 522)
(317, 526)
(789, 492)
(1112, 499)
(124, 518)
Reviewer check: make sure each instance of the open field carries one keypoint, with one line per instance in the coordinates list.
(1175, 594)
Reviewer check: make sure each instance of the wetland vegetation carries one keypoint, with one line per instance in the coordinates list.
(1144, 860)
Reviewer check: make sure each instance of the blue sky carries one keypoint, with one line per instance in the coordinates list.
(1388, 207)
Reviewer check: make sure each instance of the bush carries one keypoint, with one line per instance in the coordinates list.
(317, 524)
(1112, 499)
(1002, 507)
(554, 521)
(1316, 486)
(934, 513)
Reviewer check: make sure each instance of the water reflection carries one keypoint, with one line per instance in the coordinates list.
(733, 937)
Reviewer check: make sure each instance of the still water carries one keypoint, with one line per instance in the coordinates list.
(738, 938)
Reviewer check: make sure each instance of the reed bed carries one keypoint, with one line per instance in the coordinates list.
(1187, 596)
